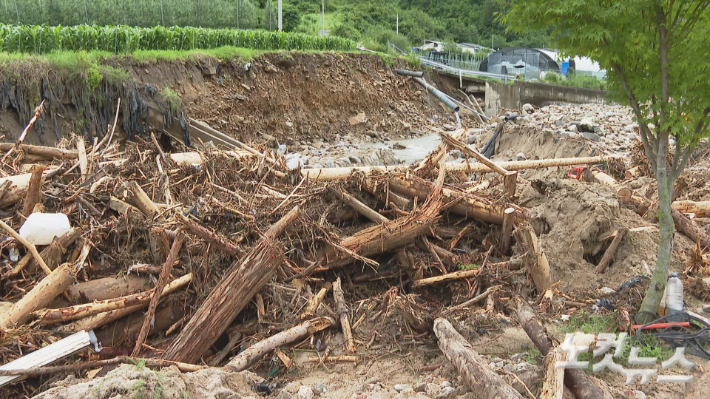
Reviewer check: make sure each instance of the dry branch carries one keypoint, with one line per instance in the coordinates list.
(21, 139)
(538, 265)
(30, 247)
(361, 208)
(231, 295)
(218, 241)
(107, 288)
(611, 251)
(701, 209)
(140, 199)
(342, 310)
(474, 370)
(95, 364)
(255, 352)
(690, 229)
(158, 290)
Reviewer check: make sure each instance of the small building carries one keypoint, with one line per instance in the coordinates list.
(533, 63)
(438, 46)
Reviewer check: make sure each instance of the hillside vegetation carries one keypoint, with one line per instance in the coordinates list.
(372, 22)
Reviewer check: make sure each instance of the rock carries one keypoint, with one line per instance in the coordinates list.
(572, 128)
(419, 387)
(521, 156)
(305, 392)
(358, 119)
(591, 136)
(320, 388)
(354, 159)
(270, 68)
(432, 389)
(447, 392)
(528, 108)
(404, 388)
(606, 290)
(445, 384)
(398, 146)
(284, 395)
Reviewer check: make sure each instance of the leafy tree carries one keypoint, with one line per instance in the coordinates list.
(655, 52)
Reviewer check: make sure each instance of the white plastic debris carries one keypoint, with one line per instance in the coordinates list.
(41, 228)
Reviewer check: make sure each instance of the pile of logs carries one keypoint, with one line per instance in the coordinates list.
(176, 257)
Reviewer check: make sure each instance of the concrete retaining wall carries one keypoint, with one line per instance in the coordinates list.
(499, 95)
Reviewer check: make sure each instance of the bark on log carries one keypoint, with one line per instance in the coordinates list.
(49, 316)
(255, 352)
(42, 152)
(342, 309)
(33, 190)
(506, 232)
(215, 239)
(158, 290)
(554, 385)
(118, 333)
(231, 295)
(701, 209)
(576, 380)
(52, 254)
(388, 236)
(611, 251)
(473, 369)
(537, 260)
(140, 199)
(107, 288)
(690, 229)
(327, 174)
(43, 293)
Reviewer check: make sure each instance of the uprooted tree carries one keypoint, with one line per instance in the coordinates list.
(655, 54)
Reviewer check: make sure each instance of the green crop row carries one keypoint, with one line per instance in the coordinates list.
(40, 39)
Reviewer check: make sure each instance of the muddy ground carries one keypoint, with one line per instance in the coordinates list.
(352, 109)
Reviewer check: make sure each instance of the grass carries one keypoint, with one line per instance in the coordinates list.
(172, 99)
(589, 323)
(468, 266)
(532, 355)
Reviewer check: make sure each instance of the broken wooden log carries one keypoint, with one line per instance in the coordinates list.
(342, 310)
(461, 274)
(140, 199)
(701, 209)
(326, 174)
(506, 232)
(167, 313)
(255, 352)
(575, 379)
(538, 266)
(314, 302)
(690, 229)
(42, 152)
(33, 190)
(96, 364)
(107, 288)
(361, 208)
(611, 251)
(231, 295)
(554, 385)
(158, 290)
(21, 139)
(49, 316)
(44, 292)
(474, 370)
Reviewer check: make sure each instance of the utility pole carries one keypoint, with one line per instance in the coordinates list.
(280, 21)
(162, 16)
(238, 1)
(17, 12)
(271, 7)
(398, 23)
(323, 16)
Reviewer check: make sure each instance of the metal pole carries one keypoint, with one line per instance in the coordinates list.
(162, 17)
(238, 1)
(18, 13)
(280, 21)
(271, 7)
(398, 23)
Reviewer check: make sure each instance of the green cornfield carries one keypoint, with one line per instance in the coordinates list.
(40, 39)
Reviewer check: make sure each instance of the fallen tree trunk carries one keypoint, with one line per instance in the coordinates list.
(690, 229)
(255, 352)
(326, 174)
(107, 288)
(100, 319)
(469, 205)
(44, 292)
(231, 295)
(701, 209)
(473, 369)
(554, 385)
(387, 236)
(42, 152)
(575, 379)
(49, 316)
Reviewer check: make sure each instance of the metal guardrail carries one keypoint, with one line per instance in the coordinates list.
(460, 72)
